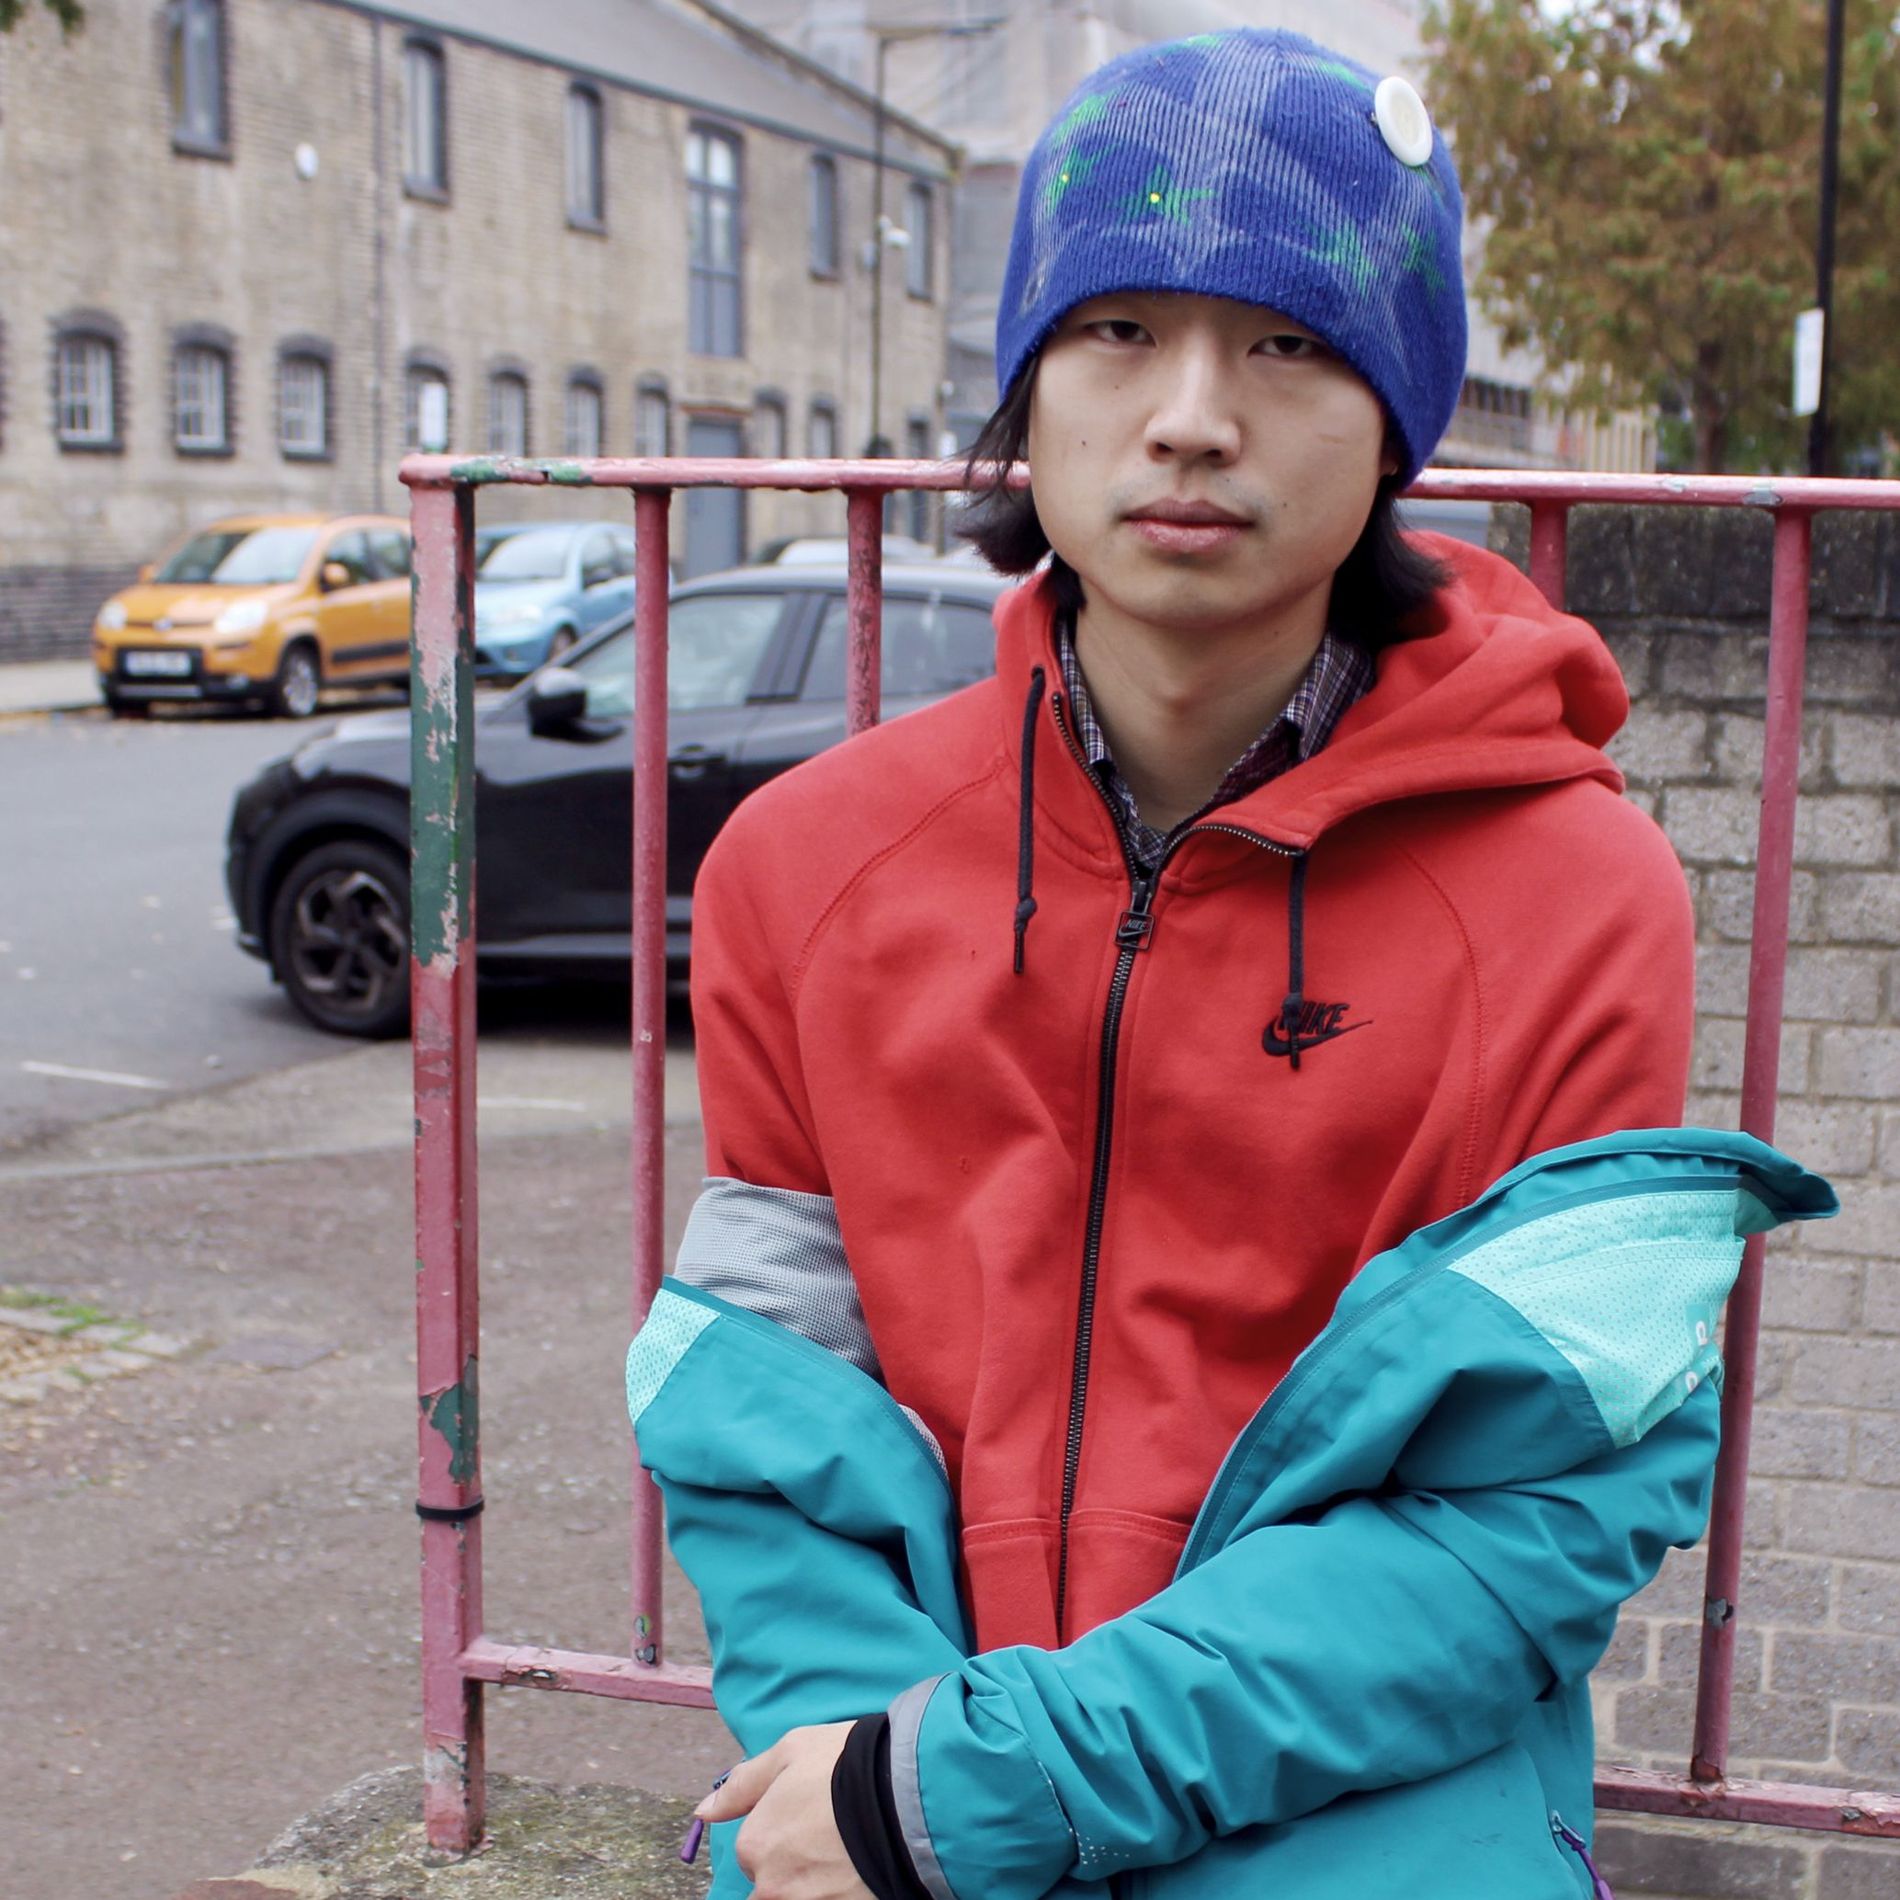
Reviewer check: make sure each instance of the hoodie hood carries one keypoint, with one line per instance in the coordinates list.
(1494, 688)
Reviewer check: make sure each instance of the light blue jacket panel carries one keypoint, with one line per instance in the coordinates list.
(1369, 1673)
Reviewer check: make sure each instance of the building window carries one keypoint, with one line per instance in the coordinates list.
(195, 32)
(824, 215)
(652, 420)
(426, 408)
(768, 427)
(586, 197)
(917, 447)
(918, 275)
(201, 375)
(86, 392)
(821, 434)
(712, 216)
(580, 417)
(303, 405)
(507, 413)
(425, 100)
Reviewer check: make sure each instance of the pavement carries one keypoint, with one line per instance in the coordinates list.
(208, 1558)
(48, 686)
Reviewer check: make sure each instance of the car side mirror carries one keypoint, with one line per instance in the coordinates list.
(333, 576)
(557, 697)
(597, 576)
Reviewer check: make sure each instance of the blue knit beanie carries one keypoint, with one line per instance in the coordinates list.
(1256, 165)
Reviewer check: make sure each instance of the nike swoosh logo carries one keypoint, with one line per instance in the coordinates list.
(1276, 1044)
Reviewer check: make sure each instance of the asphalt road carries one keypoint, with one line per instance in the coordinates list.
(207, 1566)
(116, 951)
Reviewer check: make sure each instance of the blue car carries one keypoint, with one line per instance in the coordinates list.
(542, 585)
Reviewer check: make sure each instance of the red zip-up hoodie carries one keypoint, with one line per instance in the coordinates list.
(1094, 1208)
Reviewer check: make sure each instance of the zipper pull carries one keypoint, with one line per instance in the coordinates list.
(1599, 1887)
(1136, 924)
(689, 1848)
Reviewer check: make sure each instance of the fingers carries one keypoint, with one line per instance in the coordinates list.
(741, 1790)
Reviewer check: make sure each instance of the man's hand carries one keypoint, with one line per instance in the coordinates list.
(789, 1847)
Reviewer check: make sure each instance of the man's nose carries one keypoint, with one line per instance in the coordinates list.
(1195, 419)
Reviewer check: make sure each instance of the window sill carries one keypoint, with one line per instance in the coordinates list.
(204, 451)
(427, 193)
(185, 146)
(921, 296)
(587, 227)
(69, 446)
(824, 276)
(305, 455)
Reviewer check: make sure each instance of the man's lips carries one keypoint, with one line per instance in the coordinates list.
(1186, 527)
(1196, 514)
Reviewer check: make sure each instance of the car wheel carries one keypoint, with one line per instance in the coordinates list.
(339, 938)
(562, 642)
(128, 708)
(293, 693)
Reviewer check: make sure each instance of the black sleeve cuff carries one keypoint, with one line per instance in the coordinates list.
(865, 1811)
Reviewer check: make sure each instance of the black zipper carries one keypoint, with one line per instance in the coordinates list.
(1134, 930)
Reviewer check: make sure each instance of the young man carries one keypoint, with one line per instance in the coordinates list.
(1079, 1055)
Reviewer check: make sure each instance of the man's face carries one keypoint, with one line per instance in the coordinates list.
(1260, 441)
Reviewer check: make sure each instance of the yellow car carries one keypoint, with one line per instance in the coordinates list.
(265, 608)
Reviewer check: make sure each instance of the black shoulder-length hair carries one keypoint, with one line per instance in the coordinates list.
(1378, 586)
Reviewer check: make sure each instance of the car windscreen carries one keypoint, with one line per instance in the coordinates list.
(931, 645)
(532, 554)
(240, 557)
(714, 645)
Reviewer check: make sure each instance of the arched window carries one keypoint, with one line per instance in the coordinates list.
(425, 105)
(714, 206)
(86, 393)
(426, 406)
(581, 414)
(195, 51)
(821, 430)
(823, 179)
(507, 413)
(586, 170)
(303, 401)
(652, 419)
(201, 395)
(768, 425)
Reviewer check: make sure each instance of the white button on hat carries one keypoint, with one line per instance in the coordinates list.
(1403, 121)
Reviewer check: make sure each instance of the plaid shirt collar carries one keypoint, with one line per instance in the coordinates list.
(1339, 674)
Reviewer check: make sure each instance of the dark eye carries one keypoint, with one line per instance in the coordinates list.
(1286, 343)
(1119, 330)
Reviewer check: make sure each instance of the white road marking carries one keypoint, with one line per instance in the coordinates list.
(528, 1101)
(65, 1074)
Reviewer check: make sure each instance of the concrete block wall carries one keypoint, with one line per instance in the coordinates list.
(1681, 595)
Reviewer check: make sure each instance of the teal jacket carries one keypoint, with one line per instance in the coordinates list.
(1368, 1676)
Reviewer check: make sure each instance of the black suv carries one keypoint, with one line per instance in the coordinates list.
(317, 860)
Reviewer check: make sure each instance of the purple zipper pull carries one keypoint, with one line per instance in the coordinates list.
(1599, 1887)
(689, 1848)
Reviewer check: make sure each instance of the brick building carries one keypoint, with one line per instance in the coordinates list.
(250, 250)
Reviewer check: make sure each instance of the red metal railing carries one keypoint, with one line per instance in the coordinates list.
(459, 1657)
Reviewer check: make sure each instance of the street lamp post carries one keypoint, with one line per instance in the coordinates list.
(884, 231)
(1824, 250)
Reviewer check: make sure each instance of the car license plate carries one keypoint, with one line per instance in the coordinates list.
(156, 665)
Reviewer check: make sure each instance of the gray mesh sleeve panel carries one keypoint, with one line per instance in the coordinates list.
(780, 1255)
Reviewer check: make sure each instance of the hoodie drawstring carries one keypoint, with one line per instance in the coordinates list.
(1295, 1005)
(1026, 819)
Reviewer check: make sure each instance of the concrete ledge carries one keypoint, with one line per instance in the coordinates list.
(593, 1842)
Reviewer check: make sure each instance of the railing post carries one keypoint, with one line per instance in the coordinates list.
(652, 578)
(1550, 526)
(442, 1008)
(864, 593)
(1761, 1074)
